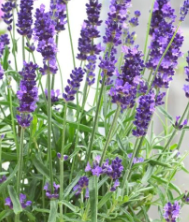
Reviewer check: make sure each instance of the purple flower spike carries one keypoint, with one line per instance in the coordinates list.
(25, 18)
(125, 89)
(50, 195)
(58, 155)
(24, 120)
(162, 30)
(7, 8)
(71, 89)
(23, 202)
(82, 184)
(1, 72)
(186, 87)
(184, 10)
(135, 160)
(44, 32)
(96, 170)
(171, 211)
(3, 179)
(4, 41)
(144, 114)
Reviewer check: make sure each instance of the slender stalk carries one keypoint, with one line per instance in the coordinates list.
(70, 36)
(174, 132)
(14, 52)
(182, 135)
(109, 136)
(12, 115)
(62, 160)
(23, 51)
(164, 54)
(148, 30)
(49, 129)
(20, 166)
(0, 154)
(96, 119)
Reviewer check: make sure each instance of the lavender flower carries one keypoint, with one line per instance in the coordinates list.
(87, 48)
(44, 32)
(144, 114)
(28, 94)
(3, 179)
(184, 10)
(23, 202)
(116, 184)
(58, 14)
(82, 184)
(162, 30)
(65, 156)
(186, 197)
(50, 195)
(171, 211)
(180, 126)
(7, 8)
(125, 89)
(1, 72)
(186, 87)
(25, 18)
(71, 89)
(4, 41)
(159, 98)
(134, 21)
(113, 170)
(54, 95)
(96, 170)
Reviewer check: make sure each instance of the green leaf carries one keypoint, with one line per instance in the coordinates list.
(155, 162)
(53, 211)
(93, 198)
(70, 206)
(40, 166)
(165, 113)
(4, 214)
(104, 199)
(145, 214)
(15, 200)
(148, 174)
(5, 62)
(7, 181)
(30, 216)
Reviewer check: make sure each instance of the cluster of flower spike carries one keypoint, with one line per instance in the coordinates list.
(50, 195)
(58, 14)
(171, 211)
(88, 50)
(28, 94)
(125, 89)
(162, 31)
(25, 20)
(44, 32)
(7, 8)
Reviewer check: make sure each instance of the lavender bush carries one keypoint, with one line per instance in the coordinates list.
(76, 157)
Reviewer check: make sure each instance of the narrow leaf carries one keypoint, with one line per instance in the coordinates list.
(15, 200)
(70, 206)
(104, 199)
(93, 198)
(53, 211)
(40, 166)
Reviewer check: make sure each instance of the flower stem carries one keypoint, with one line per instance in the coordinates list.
(49, 128)
(0, 154)
(174, 132)
(96, 119)
(20, 160)
(164, 54)
(62, 160)
(70, 36)
(148, 30)
(14, 52)
(23, 51)
(109, 136)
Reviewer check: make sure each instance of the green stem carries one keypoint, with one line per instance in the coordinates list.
(165, 52)
(148, 30)
(62, 160)
(109, 137)
(0, 154)
(96, 119)
(20, 160)
(174, 132)
(14, 52)
(49, 128)
(70, 36)
(23, 51)
(182, 135)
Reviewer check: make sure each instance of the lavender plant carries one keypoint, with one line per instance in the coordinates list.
(67, 156)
